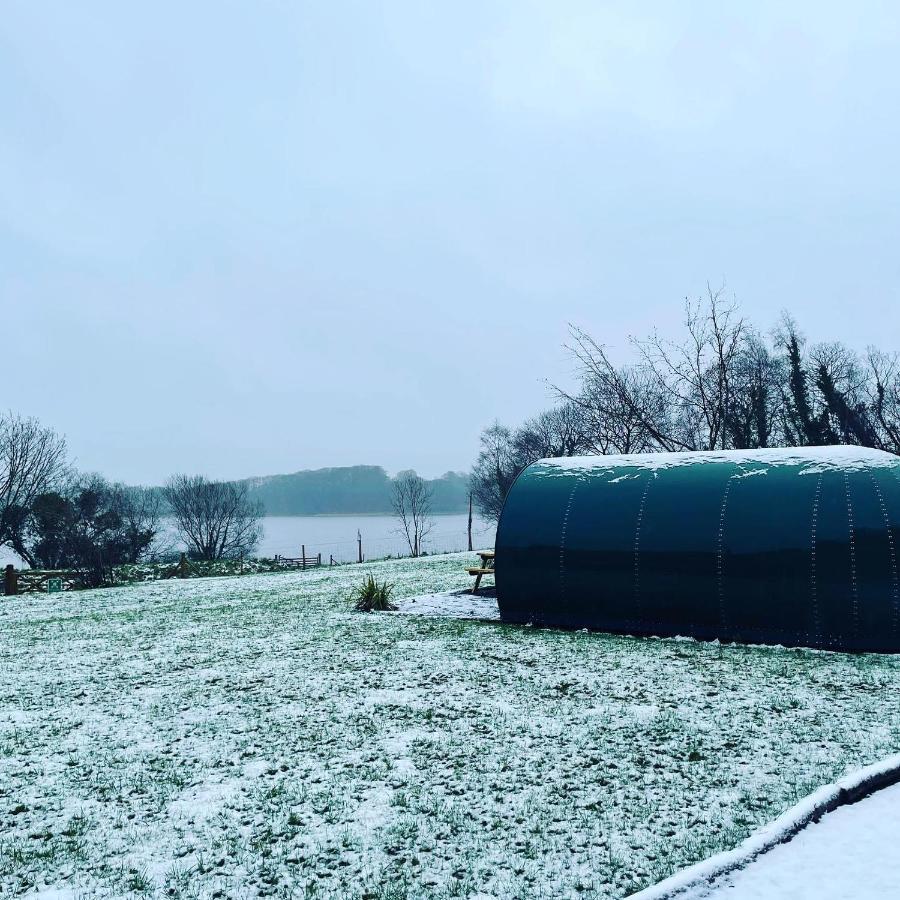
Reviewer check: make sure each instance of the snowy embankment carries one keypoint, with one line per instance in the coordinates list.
(254, 736)
(836, 843)
(851, 853)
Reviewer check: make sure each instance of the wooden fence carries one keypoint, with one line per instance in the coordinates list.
(302, 561)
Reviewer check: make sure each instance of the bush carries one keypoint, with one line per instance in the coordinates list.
(372, 595)
(91, 526)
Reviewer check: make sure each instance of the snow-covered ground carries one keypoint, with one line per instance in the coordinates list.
(254, 736)
(459, 604)
(850, 854)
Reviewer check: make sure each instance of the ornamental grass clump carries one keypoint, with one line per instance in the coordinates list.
(372, 596)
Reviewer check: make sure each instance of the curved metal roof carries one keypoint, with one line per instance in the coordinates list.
(797, 546)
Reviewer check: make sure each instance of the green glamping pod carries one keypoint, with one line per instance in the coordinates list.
(797, 547)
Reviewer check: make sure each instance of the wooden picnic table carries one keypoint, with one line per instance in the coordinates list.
(486, 568)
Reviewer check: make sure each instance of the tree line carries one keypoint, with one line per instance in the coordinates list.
(54, 517)
(723, 384)
(349, 490)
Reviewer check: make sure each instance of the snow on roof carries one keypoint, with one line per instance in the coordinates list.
(810, 459)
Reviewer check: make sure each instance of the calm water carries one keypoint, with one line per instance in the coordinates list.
(336, 535)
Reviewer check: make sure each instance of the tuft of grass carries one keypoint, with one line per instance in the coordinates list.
(372, 595)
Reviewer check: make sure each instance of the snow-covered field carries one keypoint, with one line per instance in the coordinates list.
(253, 736)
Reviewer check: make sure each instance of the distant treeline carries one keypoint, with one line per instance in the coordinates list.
(348, 490)
(345, 490)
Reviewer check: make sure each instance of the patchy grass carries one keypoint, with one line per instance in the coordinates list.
(255, 736)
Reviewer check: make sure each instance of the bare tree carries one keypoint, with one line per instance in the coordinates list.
(756, 411)
(621, 409)
(141, 512)
(560, 431)
(494, 471)
(679, 396)
(411, 500)
(696, 375)
(215, 519)
(883, 388)
(840, 381)
(32, 462)
(628, 406)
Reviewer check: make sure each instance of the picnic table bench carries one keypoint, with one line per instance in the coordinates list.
(486, 568)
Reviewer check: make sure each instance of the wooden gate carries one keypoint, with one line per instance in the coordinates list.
(31, 581)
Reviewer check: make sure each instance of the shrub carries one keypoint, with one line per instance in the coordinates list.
(372, 595)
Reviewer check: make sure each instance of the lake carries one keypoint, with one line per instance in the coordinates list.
(336, 536)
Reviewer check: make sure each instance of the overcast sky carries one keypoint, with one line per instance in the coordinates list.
(247, 238)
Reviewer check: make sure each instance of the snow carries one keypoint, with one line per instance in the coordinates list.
(715, 876)
(812, 459)
(451, 604)
(851, 854)
(255, 736)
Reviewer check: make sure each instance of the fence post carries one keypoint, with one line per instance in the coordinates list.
(330, 560)
(359, 543)
(319, 559)
(10, 581)
(303, 556)
(470, 521)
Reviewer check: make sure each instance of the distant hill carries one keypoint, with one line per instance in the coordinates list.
(348, 489)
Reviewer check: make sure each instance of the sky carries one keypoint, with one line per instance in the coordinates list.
(248, 238)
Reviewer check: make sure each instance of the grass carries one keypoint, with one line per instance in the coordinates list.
(256, 737)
